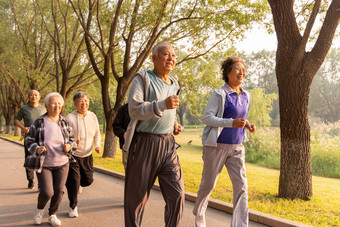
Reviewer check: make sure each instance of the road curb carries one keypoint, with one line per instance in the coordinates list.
(255, 216)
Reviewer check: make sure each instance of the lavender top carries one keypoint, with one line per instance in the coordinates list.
(54, 143)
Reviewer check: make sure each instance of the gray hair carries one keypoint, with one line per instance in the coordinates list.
(50, 95)
(79, 95)
(157, 46)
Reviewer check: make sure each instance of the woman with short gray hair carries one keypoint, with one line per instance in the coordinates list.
(86, 132)
(50, 139)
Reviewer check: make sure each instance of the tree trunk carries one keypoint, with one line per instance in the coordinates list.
(295, 69)
(1, 127)
(181, 111)
(296, 171)
(17, 131)
(8, 125)
(110, 144)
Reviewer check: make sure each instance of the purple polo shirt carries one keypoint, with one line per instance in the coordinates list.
(235, 107)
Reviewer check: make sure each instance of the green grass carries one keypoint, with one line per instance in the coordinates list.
(322, 210)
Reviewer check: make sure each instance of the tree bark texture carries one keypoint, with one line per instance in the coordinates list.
(295, 169)
(295, 70)
(110, 144)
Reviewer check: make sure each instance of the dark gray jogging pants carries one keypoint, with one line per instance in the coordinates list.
(152, 156)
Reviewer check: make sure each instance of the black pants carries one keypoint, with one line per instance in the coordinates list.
(29, 173)
(79, 174)
(152, 156)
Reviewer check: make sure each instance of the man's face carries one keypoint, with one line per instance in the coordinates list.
(165, 60)
(34, 97)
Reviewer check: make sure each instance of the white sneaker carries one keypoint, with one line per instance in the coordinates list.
(38, 216)
(80, 190)
(53, 220)
(200, 221)
(73, 213)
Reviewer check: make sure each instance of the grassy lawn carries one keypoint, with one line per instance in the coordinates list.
(322, 210)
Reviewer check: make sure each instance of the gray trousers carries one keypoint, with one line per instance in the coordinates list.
(233, 158)
(152, 156)
(51, 187)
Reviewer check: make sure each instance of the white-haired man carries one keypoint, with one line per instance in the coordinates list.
(150, 143)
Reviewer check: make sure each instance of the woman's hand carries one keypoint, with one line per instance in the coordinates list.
(97, 149)
(250, 127)
(67, 148)
(41, 149)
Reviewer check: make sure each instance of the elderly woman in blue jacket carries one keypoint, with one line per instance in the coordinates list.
(225, 118)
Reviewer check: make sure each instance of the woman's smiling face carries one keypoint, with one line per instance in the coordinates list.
(82, 105)
(54, 106)
(237, 74)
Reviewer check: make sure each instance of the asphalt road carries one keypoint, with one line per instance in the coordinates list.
(101, 204)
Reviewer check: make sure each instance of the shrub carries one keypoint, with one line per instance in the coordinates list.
(264, 149)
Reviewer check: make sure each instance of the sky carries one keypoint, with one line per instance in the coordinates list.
(258, 39)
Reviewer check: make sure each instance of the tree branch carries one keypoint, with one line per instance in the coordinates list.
(310, 23)
(328, 29)
(113, 30)
(188, 57)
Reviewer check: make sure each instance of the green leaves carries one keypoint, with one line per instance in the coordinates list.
(260, 107)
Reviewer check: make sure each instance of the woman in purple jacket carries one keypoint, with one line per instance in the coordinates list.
(225, 116)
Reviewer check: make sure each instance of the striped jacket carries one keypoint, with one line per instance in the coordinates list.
(35, 138)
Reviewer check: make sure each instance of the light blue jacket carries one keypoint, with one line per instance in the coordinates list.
(213, 116)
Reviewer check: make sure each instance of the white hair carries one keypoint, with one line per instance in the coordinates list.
(157, 46)
(50, 95)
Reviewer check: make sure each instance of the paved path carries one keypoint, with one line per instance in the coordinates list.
(101, 204)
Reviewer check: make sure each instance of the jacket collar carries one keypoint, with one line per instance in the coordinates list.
(229, 90)
(61, 118)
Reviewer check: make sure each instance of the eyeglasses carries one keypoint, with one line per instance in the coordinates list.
(244, 70)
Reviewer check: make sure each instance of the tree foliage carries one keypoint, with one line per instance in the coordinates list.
(261, 74)
(198, 79)
(42, 48)
(71, 71)
(325, 92)
(261, 106)
(119, 37)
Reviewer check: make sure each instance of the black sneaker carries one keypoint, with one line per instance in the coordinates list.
(31, 184)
